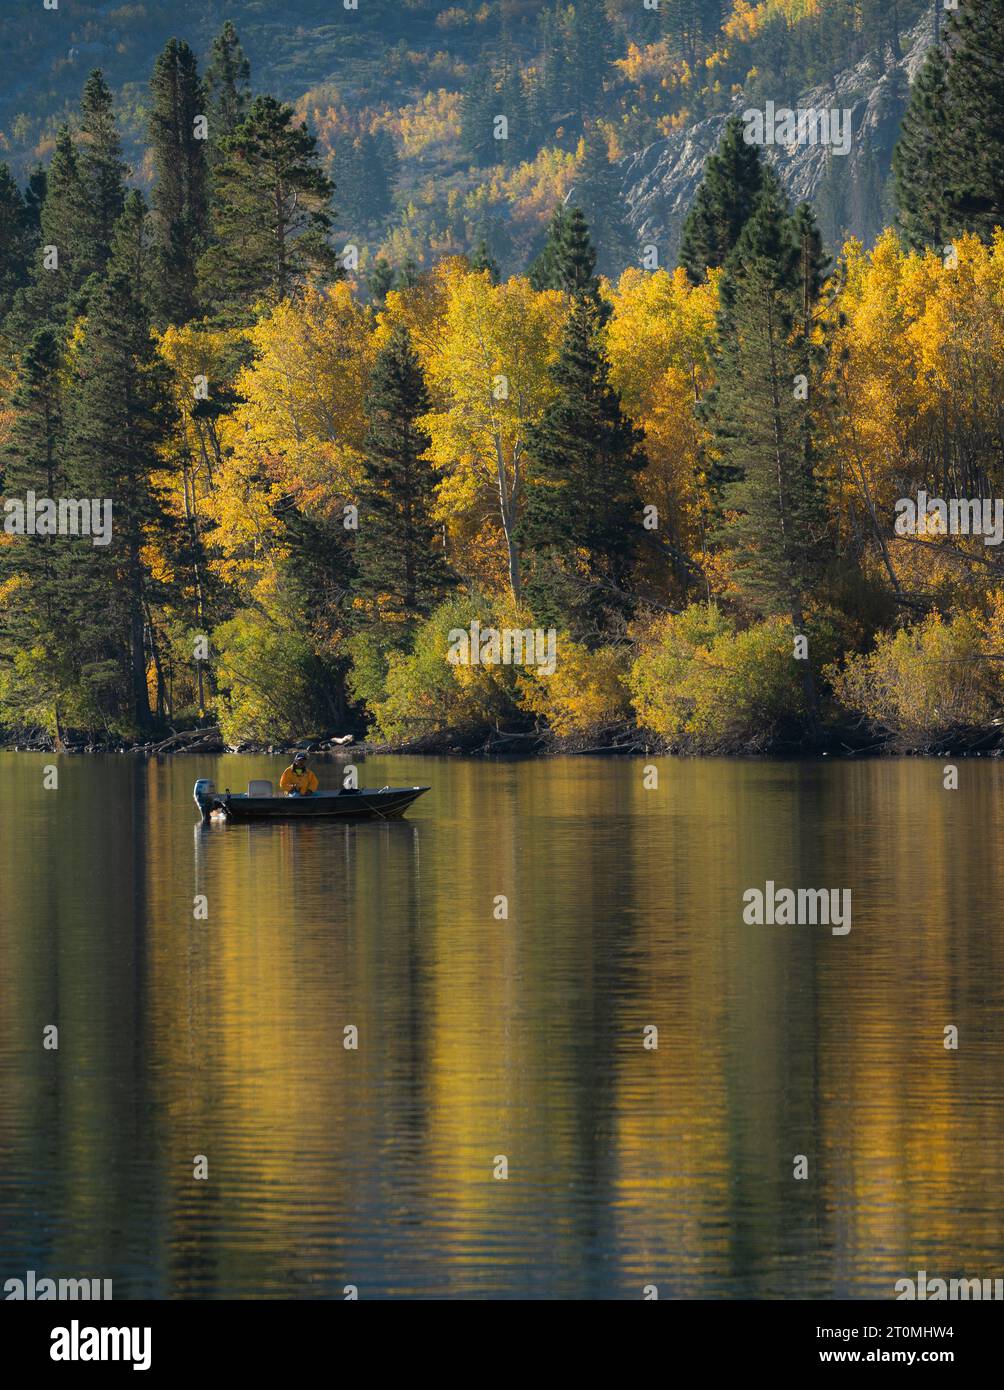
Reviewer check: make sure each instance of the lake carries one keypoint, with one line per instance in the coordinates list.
(487, 1042)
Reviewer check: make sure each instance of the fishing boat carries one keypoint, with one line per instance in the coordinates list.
(260, 802)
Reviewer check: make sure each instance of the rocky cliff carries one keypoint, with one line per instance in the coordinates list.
(851, 192)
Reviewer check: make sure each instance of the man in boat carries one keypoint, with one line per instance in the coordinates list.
(298, 780)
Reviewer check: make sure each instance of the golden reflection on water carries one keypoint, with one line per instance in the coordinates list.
(522, 1037)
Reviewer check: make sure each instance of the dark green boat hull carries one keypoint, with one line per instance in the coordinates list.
(387, 803)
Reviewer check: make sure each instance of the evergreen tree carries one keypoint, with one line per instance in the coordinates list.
(34, 197)
(692, 26)
(590, 49)
(919, 158)
(760, 414)
(543, 269)
(349, 169)
(581, 516)
(732, 179)
(180, 195)
(271, 213)
(102, 173)
(380, 281)
(37, 624)
(228, 87)
(119, 419)
(478, 109)
(401, 569)
(482, 259)
(365, 170)
(949, 161)
(568, 259)
(555, 99)
(15, 241)
(974, 161)
(597, 193)
(62, 226)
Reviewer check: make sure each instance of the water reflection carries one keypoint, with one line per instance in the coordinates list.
(332, 1164)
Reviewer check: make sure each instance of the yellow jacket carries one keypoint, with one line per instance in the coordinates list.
(303, 782)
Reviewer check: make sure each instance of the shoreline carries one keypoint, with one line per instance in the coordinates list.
(970, 743)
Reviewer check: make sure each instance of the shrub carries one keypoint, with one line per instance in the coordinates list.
(270, 680)
(426, 694)
(587, 691)
(923, 681)
(699, 682)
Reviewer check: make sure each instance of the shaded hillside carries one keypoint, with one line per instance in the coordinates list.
(850, 192)
(404, 96)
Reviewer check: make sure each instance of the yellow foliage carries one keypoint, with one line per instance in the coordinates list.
(917, 368)
(294, 439)
(487, 373)
(431, 124)
(586, 692)
(660, 342)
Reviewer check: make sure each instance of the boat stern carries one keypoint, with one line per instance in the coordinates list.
(205, 796)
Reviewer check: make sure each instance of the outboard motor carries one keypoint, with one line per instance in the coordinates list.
(205, 791)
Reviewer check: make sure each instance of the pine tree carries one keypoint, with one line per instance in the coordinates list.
(590, 49)
(271, 213)
(119, 419)
(581, 516)
(733, 177)
(102, 172)
(974, 145)
(34, 197)
(555, 88)
(15, 241)
(597, 193)
(37, 639)
(568, 259)
(180, 195)
(692, 26)
(62, 227)
(543, 269)
(228, 88)
(482, 259)
(777, 533)
(949, 161)
(365, 170)
(380, 281)
(401, 569)
(478, 109)
(919, 158)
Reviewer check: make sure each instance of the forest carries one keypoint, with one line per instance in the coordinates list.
(323, 459)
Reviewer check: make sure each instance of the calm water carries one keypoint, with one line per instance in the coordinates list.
(523, 1038)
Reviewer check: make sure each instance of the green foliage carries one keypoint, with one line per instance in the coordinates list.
(698, 683)
(267, 673)
(581, 516)
(270, 213)
(733, 177)
(180, 195)
(426, 694)
(922, 682)
(401, 572)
